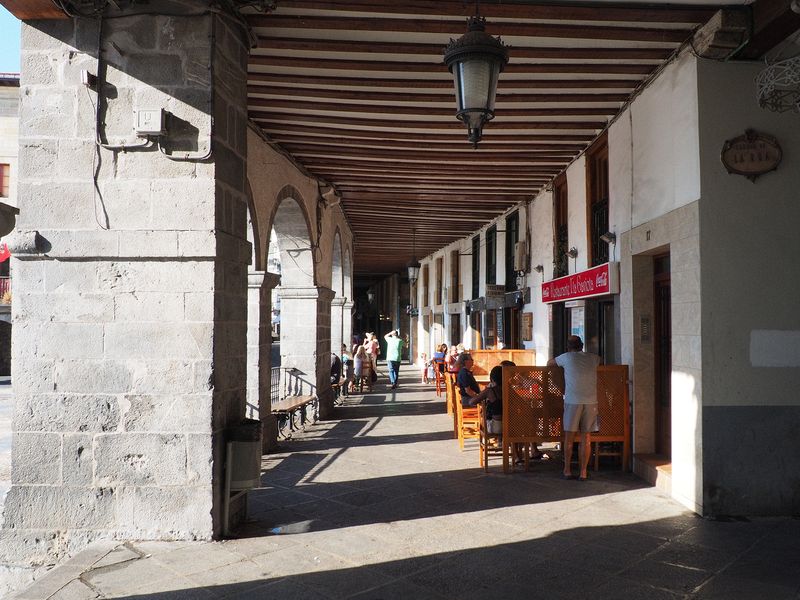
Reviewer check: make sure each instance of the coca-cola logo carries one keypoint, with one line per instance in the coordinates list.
(601, 280)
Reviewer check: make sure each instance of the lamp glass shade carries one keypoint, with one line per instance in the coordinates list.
(413, 272)
(476, 88)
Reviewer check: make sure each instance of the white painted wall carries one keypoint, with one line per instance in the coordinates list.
(653, 150)
(576, 210)
(540, 221)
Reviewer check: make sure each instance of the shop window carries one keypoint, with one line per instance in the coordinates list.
(597, 198)
(490, 333)
(455, 277)
(491, 255)
(476, 267)
(512, 237)
(439, 278)
(561, 226)
(5, 180)
(455, 328)
(425, 298)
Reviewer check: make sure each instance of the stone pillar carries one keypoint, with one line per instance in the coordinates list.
(306, 341)
(337, 320)
(259, 355)
(347, 323)
(130, 263)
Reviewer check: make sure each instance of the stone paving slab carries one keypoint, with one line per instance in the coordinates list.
(380, 504)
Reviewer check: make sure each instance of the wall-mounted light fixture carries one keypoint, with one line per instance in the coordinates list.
(572, 252)
(370, 296)
(539, 268)
(609, 237)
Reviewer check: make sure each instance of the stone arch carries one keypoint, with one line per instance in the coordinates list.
(259, 253)
(305, 307)
(292, 229)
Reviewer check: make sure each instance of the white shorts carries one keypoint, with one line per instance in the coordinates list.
(580, 417)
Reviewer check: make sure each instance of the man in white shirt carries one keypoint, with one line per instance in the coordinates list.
(580, 402)
(394, 348)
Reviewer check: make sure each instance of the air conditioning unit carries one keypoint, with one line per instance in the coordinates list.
(521, 256)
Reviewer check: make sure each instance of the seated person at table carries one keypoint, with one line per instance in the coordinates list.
(336, 368)
(493, 395)
(465, 380)
(451, 360)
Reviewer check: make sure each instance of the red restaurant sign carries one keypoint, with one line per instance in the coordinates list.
(597, 281)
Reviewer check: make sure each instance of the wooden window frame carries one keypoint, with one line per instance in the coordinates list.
(476, 267)
(560, 219)
(597, 201)
(491, 252)
(5, 180)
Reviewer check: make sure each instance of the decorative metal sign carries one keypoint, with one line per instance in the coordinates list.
(751, 154)
(597, 281)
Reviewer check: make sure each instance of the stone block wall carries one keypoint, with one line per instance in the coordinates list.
(129, 343)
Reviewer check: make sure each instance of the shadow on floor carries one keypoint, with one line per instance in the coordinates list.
(679, 557)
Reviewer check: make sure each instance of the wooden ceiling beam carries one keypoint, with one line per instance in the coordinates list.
(435, 145)
(300, 62)
(773, 22)
(428, 166)
(404, 155)
(305, 44)
(408, 96)
(425, 125)
(466, 191)
(445, 82)
(443, 137)
(361, 195)
(256, 105)
(456, 27)
(639, 13)
(26, 10)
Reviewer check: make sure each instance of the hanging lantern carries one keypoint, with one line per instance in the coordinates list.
(476, 60)
(413, 266)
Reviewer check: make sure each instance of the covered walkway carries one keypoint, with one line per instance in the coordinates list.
(378, 502)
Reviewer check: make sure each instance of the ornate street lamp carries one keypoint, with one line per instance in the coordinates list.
(476, 60)
(413, 266)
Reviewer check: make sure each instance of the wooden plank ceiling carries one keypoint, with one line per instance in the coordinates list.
(356, 91)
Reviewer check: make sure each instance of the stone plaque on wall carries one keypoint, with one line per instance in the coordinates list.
(751, 154)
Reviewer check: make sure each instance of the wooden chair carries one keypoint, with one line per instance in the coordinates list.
(533, 408)
(469, 420)
(490, 444)
(450, 386)
(439, 373)
(365, 379)
(613, 414)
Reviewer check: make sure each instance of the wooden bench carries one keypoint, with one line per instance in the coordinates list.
(290, 409)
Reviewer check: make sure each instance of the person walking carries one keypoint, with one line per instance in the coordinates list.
(580, 402)
(394, 349)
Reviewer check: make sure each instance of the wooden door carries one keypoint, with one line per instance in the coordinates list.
(663, 355)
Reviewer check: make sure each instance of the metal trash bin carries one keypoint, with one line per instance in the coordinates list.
(242, 464)
(244, 455)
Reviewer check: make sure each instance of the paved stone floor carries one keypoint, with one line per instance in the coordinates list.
(380, 504)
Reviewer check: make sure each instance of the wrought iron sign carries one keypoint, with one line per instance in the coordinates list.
(751, 154)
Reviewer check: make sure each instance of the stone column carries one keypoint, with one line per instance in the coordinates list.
(306, 341)
(337, 320)
(347, 323)
(259, 356)
(130, 263)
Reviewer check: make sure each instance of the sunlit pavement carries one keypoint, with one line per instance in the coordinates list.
(381, 504)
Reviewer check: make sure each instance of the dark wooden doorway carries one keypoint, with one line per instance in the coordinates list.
(663, 354)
